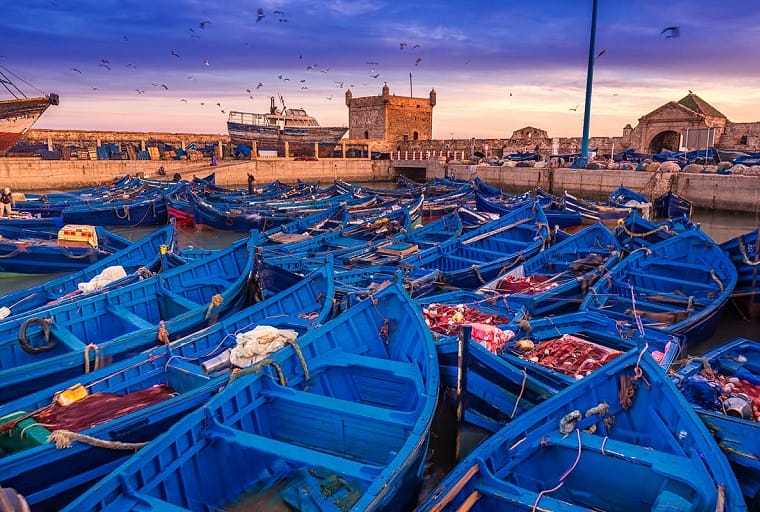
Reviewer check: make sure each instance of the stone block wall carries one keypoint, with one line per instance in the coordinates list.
(744, 136)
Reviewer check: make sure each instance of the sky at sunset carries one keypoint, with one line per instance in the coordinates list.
(496, 66)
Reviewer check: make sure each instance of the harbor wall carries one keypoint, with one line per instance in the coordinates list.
(32, 174)
(733, 193)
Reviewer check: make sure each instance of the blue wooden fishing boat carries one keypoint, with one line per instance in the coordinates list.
(410, 241)
(581, 449)
(635, 231)
(558, 350)
(622, 439)
(22, 220)
(679, 285)
(344, 426)
(267, 215)
(72, 248)
(556, 279)
(135, 400)
(484, 253)
(352, 285)
(73, 338)
(592, 211)
(670, 205)
(624, 197)
(557, 216)
(487, 390)
(142, 210)
(745, 254)
(723, 385)
(142, 254)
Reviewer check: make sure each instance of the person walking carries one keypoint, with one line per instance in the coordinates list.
(213, 159)
(6, 202)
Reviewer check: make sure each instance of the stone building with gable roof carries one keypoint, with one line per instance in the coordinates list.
(689, 123)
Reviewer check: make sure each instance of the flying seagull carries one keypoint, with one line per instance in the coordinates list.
(416, 62)
(203, 24)
(671, 32)
(259, 14)
(575, 108)
(602, 52)
(78, 71)
(174, 53)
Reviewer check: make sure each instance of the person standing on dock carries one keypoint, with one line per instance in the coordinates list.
(6, 202)
(251, 179)
(213, 159)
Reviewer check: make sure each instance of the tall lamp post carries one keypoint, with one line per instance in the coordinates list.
(583, 160)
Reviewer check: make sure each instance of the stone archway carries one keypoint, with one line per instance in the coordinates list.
(667, 140)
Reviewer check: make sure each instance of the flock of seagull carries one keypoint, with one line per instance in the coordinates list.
(106, 64)
(194, 31)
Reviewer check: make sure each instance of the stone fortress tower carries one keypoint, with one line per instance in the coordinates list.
(390, 118)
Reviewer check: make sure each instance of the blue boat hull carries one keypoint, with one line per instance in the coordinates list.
(49, 478)
(584, 448)
(351, 434)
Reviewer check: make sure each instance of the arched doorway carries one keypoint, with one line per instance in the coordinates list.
(665, 141)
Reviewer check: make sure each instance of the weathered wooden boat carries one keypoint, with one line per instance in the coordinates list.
(484, 253)
(624, 197)
(134, 260)
(671, 205)
(679, 285)
(20, 112)
(723, 385)
(279, 128)
(745, 254)
(592, 211)
(558, 350)
(71, 248)
(73, 338)
(135, 400)
(344, 426)
(584, 448)
(556, 279)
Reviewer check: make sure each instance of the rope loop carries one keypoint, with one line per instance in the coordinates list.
(44, 323)
(125, 212)
(96, 365)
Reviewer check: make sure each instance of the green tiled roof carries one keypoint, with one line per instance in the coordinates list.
(697, 104)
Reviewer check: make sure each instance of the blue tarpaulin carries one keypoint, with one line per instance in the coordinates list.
(243, 151)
